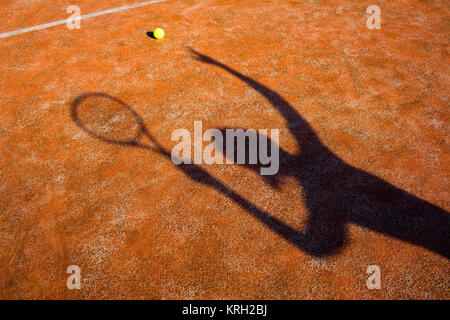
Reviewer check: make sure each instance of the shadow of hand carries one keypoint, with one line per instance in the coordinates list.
(203, 58)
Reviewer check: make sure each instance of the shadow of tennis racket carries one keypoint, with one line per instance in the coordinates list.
(109, 119)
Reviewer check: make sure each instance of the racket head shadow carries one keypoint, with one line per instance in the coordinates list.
(109, 119)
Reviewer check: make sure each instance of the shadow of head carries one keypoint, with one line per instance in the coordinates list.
(255, 151)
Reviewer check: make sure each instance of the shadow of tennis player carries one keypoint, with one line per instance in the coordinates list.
(337, 193)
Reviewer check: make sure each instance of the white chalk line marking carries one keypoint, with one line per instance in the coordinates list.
(87, 16)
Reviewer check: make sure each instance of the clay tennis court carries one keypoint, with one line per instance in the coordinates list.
(363, 119)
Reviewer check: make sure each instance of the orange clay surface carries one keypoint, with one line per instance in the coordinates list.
(365, 112)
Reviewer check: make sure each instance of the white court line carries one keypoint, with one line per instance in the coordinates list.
(91, 15)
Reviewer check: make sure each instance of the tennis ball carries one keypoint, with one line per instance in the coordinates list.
(158, 33)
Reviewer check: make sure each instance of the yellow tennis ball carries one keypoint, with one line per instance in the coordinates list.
(158, 33)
